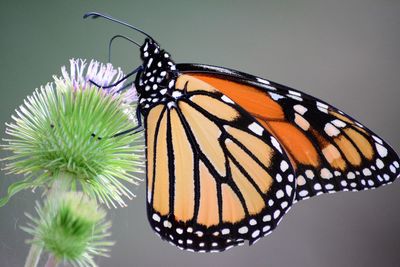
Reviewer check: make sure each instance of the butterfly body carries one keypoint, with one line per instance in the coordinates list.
(155, 83)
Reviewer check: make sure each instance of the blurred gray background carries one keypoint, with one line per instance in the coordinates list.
(346, 52)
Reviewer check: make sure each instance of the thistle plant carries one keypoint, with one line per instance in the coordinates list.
(65, 138)
(71, 227)
(67, 129)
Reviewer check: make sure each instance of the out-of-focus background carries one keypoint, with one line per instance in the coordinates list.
(346, 52)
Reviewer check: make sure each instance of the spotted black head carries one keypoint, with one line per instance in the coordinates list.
(155, 78)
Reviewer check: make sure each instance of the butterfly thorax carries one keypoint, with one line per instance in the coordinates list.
(155, 82)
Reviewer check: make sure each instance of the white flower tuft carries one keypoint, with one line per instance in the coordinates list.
(101, 74)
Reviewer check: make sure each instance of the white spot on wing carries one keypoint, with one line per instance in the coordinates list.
(382, 151)
(324, 110)
(303, 193)
(275, 97)
(256, 128)
(225, 231)
(270, 87)
(359, 124)
(266, 218)
(276, 144)
(392, 169)
(329, 186)
(255, 233)
(284, 166)
(227, 99)
(339, 123)
(331, 130)
(277, 213)
(300, 180)
(367, 172)
(322, 105)
(266, 228)
(301, 122)
(309, 174)
(278, 178)
(156, 217)
(300, 109)
(262, 80)
(351, 175)
(289, 190)
(298, 98)
(377, 139)
(176, 94)
(243, 230)
(294, 93)
(167, 224)
(279, 194)
(171, 104)
(326, 174)
(317, 187)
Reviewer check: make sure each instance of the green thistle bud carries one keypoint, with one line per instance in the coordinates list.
(69, 127)
(72, 228)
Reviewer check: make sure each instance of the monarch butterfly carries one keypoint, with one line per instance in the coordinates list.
(229, 153)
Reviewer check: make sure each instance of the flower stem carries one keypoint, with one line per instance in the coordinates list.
(51, 261)
(33, 256)
(62, 183)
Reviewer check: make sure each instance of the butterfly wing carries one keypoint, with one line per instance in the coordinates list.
(328, 149)
(215, 177)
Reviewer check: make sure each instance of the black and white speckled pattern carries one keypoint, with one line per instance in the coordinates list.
(155, 83)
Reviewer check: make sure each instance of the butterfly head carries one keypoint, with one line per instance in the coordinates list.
(157, 76)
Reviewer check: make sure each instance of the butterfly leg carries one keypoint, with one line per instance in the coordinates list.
(118, 82)
(125, 87)
(136, 129)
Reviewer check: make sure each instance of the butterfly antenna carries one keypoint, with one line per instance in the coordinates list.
(95, 15)
(115, 37)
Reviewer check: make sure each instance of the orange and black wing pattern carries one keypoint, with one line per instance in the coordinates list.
(216, 177)
(328, 150)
